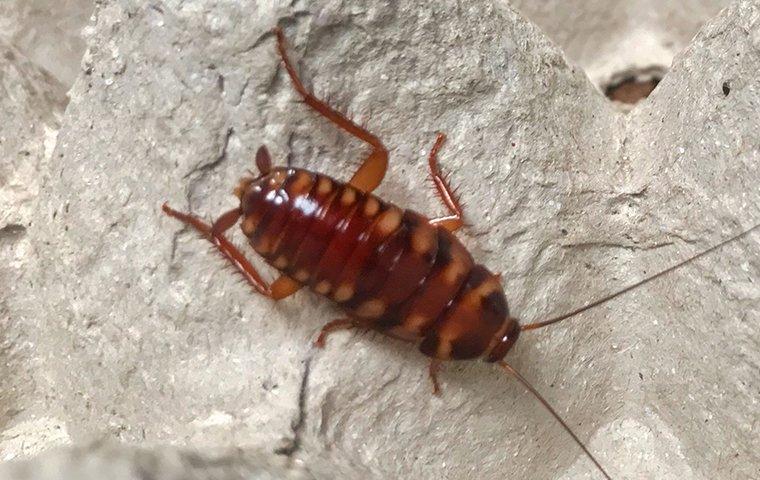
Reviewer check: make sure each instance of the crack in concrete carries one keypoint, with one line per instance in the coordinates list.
(293, 445)
(205, 167)
(202, 170)
(612, 245)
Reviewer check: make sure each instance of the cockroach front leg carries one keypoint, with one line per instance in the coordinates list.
(215, 234)
(455, 220)
(284, 287)
(372, 169)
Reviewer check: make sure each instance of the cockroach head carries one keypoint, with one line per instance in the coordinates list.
(257, 193)
(505, 338)
(243, 185)
(264, 166)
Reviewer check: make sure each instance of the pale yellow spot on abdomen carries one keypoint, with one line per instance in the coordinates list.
(249, 224)
(371, 207)
(300, 185)
(454, 270)
(422, 239)
(343, 293)
(324, 186)
(348, 197)
(322, 287)
(281, 262)
(371, 309)
(415, 323)
(389, 221)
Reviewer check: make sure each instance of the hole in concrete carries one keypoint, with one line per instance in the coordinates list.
(633, 86)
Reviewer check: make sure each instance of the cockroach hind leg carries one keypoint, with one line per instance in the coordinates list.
(225, 222)
(433, 369)
(332, 326)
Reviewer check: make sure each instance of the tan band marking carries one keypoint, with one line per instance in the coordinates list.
(280, 263)
(324, 186)
(371, 309)
(343, 293)
(301, 276)
(249, 224)
(322, 287)
(474, 297)
(454, 270)
(301, 184)
(389, 221)
(371, 207)
(422, 239)
(415, 322)
(264, 246)
(348, 197)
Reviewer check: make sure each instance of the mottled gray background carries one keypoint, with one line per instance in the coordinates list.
(117, 324)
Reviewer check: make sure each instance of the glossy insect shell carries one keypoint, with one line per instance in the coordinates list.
(388, 268)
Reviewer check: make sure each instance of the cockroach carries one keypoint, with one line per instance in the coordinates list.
(390, 269)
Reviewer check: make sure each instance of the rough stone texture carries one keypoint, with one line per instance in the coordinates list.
(98, 461)
(144, 337)
(31, 105)
(609, 38)
(47, 32)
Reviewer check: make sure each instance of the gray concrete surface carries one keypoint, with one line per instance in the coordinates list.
(610, 39)
(140, 335)
(31, 107)
(48, 33)
(108, 460)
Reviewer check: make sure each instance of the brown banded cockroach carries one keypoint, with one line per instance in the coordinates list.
(390, 269)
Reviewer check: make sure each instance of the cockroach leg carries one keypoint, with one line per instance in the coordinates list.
(372, 170)
(216, 236)
(433, 369)
(455, 220)
(340, 324)
(224, 222)
(284, 287)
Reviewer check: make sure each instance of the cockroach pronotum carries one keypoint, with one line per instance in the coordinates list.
(390, 269)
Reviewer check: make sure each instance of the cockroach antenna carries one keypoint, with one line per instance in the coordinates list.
(551, 410)
(596, 303)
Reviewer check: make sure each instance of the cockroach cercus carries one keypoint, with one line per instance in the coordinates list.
(390, 269)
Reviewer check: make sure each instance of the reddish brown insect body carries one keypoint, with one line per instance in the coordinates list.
(391, 270)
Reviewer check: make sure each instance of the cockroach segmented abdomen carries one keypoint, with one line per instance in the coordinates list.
(388, 267)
